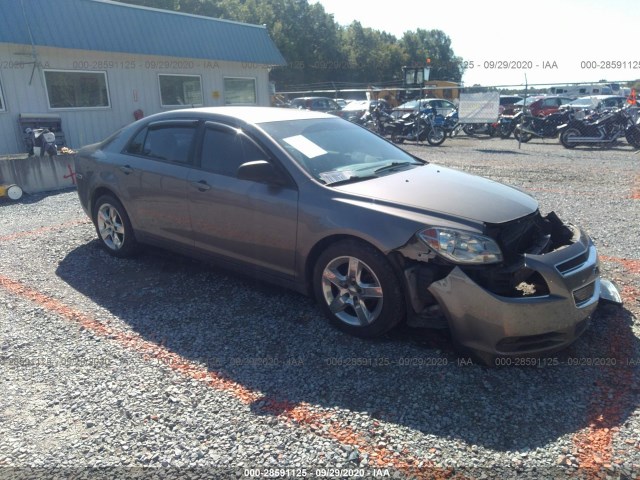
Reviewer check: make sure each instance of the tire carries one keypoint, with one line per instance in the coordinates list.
(505, 131)
(357, 289)
(524, 137)
(633, 136)
(396, 139)
(422, 131)
(436, 136)
(568, 133)
(468, 129)
(113, 227)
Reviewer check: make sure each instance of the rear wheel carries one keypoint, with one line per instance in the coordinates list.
(505, 131)
(358, 289)
(113, 227)
(567, 135)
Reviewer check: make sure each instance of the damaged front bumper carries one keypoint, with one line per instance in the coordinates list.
(535, 324)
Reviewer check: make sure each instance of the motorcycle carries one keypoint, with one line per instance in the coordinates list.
(41, 141)
(472, 129)
(419, 126)
(525, 126)
(451, 125)
(506, 125)
(375, 119)
(602, 131)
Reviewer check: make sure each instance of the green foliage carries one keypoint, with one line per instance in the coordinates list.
(436, 46)
(318, 50)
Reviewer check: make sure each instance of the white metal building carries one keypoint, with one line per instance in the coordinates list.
(96, 64)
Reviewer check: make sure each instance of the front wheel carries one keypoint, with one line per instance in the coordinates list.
(524, 137)
(567, 135)
(395, 138)
(633, 136)
(358, 289)
(436, 136)
(113, 227)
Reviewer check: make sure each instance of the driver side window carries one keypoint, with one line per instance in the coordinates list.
(223, 151)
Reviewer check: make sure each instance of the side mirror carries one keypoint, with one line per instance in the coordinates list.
(260, 171)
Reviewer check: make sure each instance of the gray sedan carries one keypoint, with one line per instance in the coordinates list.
(317, 204)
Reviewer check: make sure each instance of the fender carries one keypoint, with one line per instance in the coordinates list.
(572, 124)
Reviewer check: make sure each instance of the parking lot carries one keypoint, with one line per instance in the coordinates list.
(161, 361)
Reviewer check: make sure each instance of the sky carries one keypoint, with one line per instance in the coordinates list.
(561, 41)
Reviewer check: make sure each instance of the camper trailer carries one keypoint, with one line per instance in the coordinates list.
(583, 90)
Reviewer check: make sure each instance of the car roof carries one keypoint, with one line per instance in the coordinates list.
(358, 104)
(251, 114)
(312, 98)
(601, 97)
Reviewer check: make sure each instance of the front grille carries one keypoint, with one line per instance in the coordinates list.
(576, 262)
(584, 294)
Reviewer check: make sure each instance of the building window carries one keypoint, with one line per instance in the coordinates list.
(178, 90)
(77, 89)
(240, 91)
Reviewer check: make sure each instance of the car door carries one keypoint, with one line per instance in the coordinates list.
(154, 169)
(244, 221)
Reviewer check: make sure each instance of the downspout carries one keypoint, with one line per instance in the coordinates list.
(34, 54)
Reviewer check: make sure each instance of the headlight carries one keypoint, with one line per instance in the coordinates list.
(461, 247)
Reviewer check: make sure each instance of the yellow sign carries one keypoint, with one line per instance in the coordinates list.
(215, 94)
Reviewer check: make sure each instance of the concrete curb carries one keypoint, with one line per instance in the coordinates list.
(39, 174)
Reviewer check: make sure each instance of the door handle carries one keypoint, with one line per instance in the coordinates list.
(126, 169)
(202, 185)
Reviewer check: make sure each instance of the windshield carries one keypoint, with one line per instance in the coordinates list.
(530, 100)
(335, 151)
(582, 101)
(409, 105)
(510, 100)
(357, 105)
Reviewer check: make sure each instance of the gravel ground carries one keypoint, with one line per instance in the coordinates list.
(112, 366)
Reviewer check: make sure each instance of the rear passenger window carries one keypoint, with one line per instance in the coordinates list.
(167, 143)
(135, 147)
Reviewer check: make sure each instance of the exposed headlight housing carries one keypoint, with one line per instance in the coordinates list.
(461, 247)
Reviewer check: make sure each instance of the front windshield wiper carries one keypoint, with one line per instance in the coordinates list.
(394, 166)
(351, 179)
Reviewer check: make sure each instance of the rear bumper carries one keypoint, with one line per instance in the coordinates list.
(486, 322)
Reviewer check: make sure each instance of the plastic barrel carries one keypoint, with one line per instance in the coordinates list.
(14, 192)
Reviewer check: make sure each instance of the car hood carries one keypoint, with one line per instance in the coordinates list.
(432, 188)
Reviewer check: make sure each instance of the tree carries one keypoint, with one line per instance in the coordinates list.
(318, 50)
(372, 56)
(436, 46)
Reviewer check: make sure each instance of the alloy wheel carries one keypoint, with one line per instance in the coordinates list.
(352, 291)
(111, 227)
